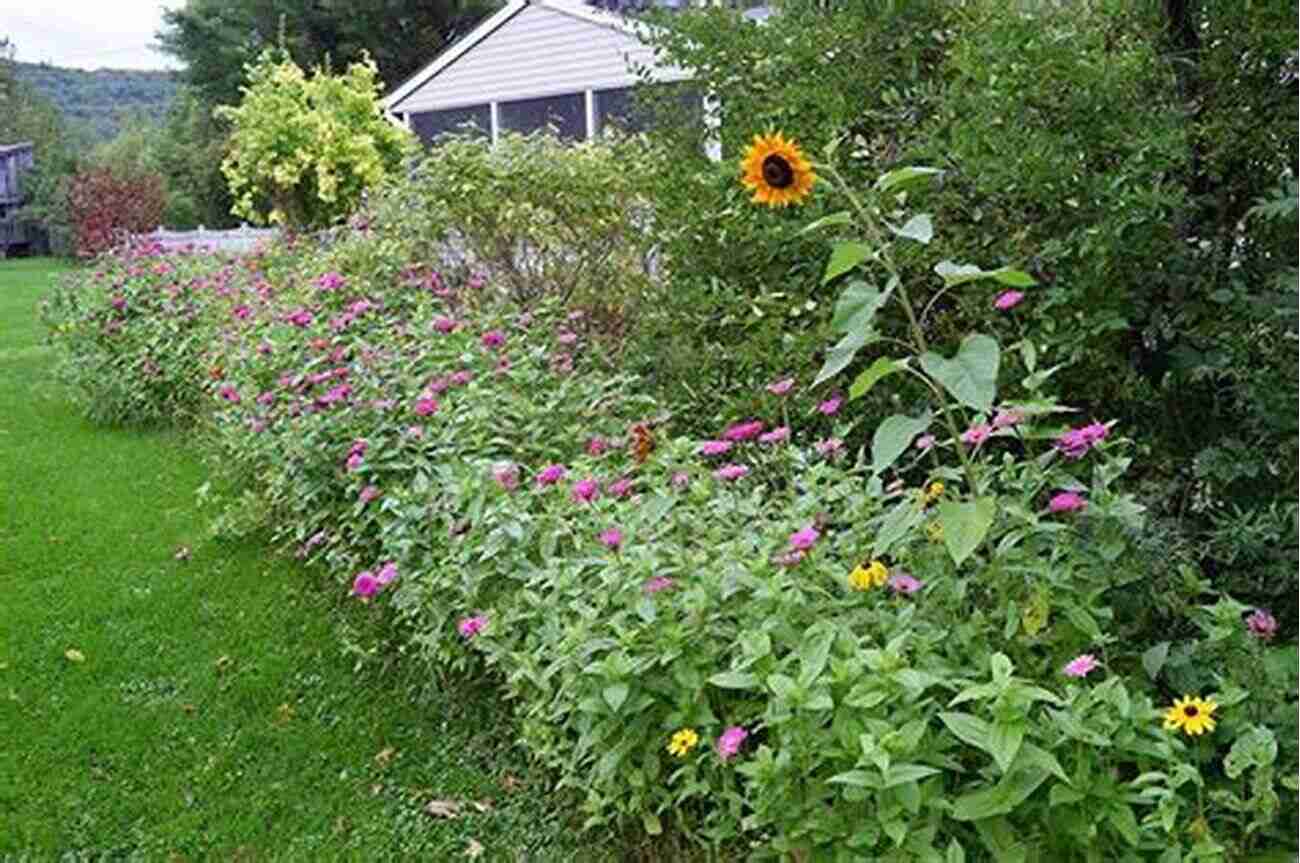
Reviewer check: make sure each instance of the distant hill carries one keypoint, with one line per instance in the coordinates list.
(96, 100)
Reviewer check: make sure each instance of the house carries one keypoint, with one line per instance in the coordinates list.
(534, 63)
(14, 160)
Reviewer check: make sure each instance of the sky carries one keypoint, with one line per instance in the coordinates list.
(87, 34)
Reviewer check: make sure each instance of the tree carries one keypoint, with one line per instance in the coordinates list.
(305, 147)
(215, 39)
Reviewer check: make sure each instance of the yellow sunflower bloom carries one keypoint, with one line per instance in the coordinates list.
(1191, 715)
(683, 742)
(867, 577)
(777, 171)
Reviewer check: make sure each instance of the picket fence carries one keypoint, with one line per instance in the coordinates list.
(241, 239)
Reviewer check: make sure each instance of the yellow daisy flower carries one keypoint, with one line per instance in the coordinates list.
(1191, 715)
(867, 577)
(777, 171)
(933, 492)
(683, 742)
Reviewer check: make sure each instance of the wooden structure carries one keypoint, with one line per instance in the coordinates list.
(14, 160)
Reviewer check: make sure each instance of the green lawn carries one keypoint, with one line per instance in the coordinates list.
(215, 714)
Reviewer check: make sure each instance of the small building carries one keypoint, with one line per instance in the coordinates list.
(535, 63)
(14, 160)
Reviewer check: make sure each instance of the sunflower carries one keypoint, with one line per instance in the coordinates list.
(1192, 715)
(777, 171)
(867, 576)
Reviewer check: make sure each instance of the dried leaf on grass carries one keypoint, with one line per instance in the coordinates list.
(443, 808)
(474, 849)
(74, 655)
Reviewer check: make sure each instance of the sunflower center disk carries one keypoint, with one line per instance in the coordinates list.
(777, 172)
(1190, 711)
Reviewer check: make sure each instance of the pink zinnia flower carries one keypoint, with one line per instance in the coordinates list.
(597, 446)
(620, 487)
(656, 584)
(330, 281)
(611, 538)
(804, 538)
(425, 407)
(118, 302)
(507, 476)
(744, 431)
(386, 573)
(829, 447)
(365, 584)
(551, 474)
(230, 394)
(831, 406)
(299, 318)
(681, 479)
(444, 324)
(781, 387)
(731, 471)
(1075, 443)
(355, 460)
(925, 441)
(1080, 665)
(1066, 501)
(976, 434)
(472, 626)
(241, 312)
(1261, 624)
(715, 447)
(493, 339)
(904, 583)
(1008, 300)
(729, 742)
(586, 490)
(567, 338)
(776, 435)
(368, 494)
(461, 377)
(266, 399)
(1006, 419)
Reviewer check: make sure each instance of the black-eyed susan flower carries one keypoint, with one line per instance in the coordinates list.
(777, 171)
(1191, 715)
(683, 742)
(866, 577)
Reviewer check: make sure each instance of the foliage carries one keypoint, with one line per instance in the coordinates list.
(215, 39)
(98, 102)
(304, 148)
(104, 207)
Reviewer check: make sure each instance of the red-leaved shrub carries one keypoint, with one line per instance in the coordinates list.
(104, 206)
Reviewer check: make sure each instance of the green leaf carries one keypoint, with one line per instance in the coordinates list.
(1004, 742)
(955, 853)
(965, 525)
(1014, 278)
(893, 437)
(856, 778)
(615, 694)
(900, 176)
(1154, 658)
(1012, 789)
(958, 274)
(781, 685)
(918, 228)
(734, 680)
(882, 368)
(843, 217)
(902, 518)
(972, 375)
(1257, 747)
(842, 354)
(813, 655)
(968, 729)
(650, 821)
(857, 306)
(901, 773)
(844, 257)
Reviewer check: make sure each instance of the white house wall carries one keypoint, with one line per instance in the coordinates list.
(538, 52)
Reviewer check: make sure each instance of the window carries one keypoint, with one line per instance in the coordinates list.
(634, 111)
(568, 114)
(428, 125)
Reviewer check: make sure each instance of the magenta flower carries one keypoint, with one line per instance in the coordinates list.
(729, 742)
(461, 377)
(776, 435)
(715, 447)
(241, 313)
(585, 490)
(551, 474)
(472, 626)
(368, 494)
(781, 387)
(904, 583)
(924, 442)
(567, 338)
(656, 584)
(831, 406)
(731, 472)
(493, 339)
(444, 324)
(1262, 625)
(829, 447)
(1006, 419)
(1008, 300)
(744, 431)
(266, 399)
(386, 573)
(1080, 666)
(804, 538)
(611, 538)
(597, 446)
(1075, 443)
(976, 434)
(620, 488)
(118, 302)
(506, 476)
(426, 407)
(230, 394)
(299, 318)
(681, 479)
(355, 460)
(1067, 501)
(365, 585)
(330, 281)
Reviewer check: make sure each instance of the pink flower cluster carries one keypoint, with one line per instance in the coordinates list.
(1076, 443)
(730, 741)
(1066, 501)
(472, 626)
(368, 583)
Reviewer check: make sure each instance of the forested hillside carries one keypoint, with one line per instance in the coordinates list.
(100, 99)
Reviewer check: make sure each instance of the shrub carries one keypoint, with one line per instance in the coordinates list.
(106, 206)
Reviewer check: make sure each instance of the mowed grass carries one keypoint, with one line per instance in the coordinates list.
(210, 710)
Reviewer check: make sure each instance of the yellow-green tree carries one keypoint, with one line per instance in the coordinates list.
(304, 147)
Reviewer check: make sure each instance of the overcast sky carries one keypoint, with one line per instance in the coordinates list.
(87, 34)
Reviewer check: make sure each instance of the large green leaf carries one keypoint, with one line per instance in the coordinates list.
(856, 308)
(839, 356)
(971, 376)
(734, 680)
(903, 517)
(1012, 789)
(615, 694)
(1004, 742)
(882, 368)
(893, 437)
(844, 257)
(900, 176)
(965, 525)
(843, 217)
(969, 729)
(918, 228)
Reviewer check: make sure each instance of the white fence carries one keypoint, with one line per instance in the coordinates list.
(241, 239)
